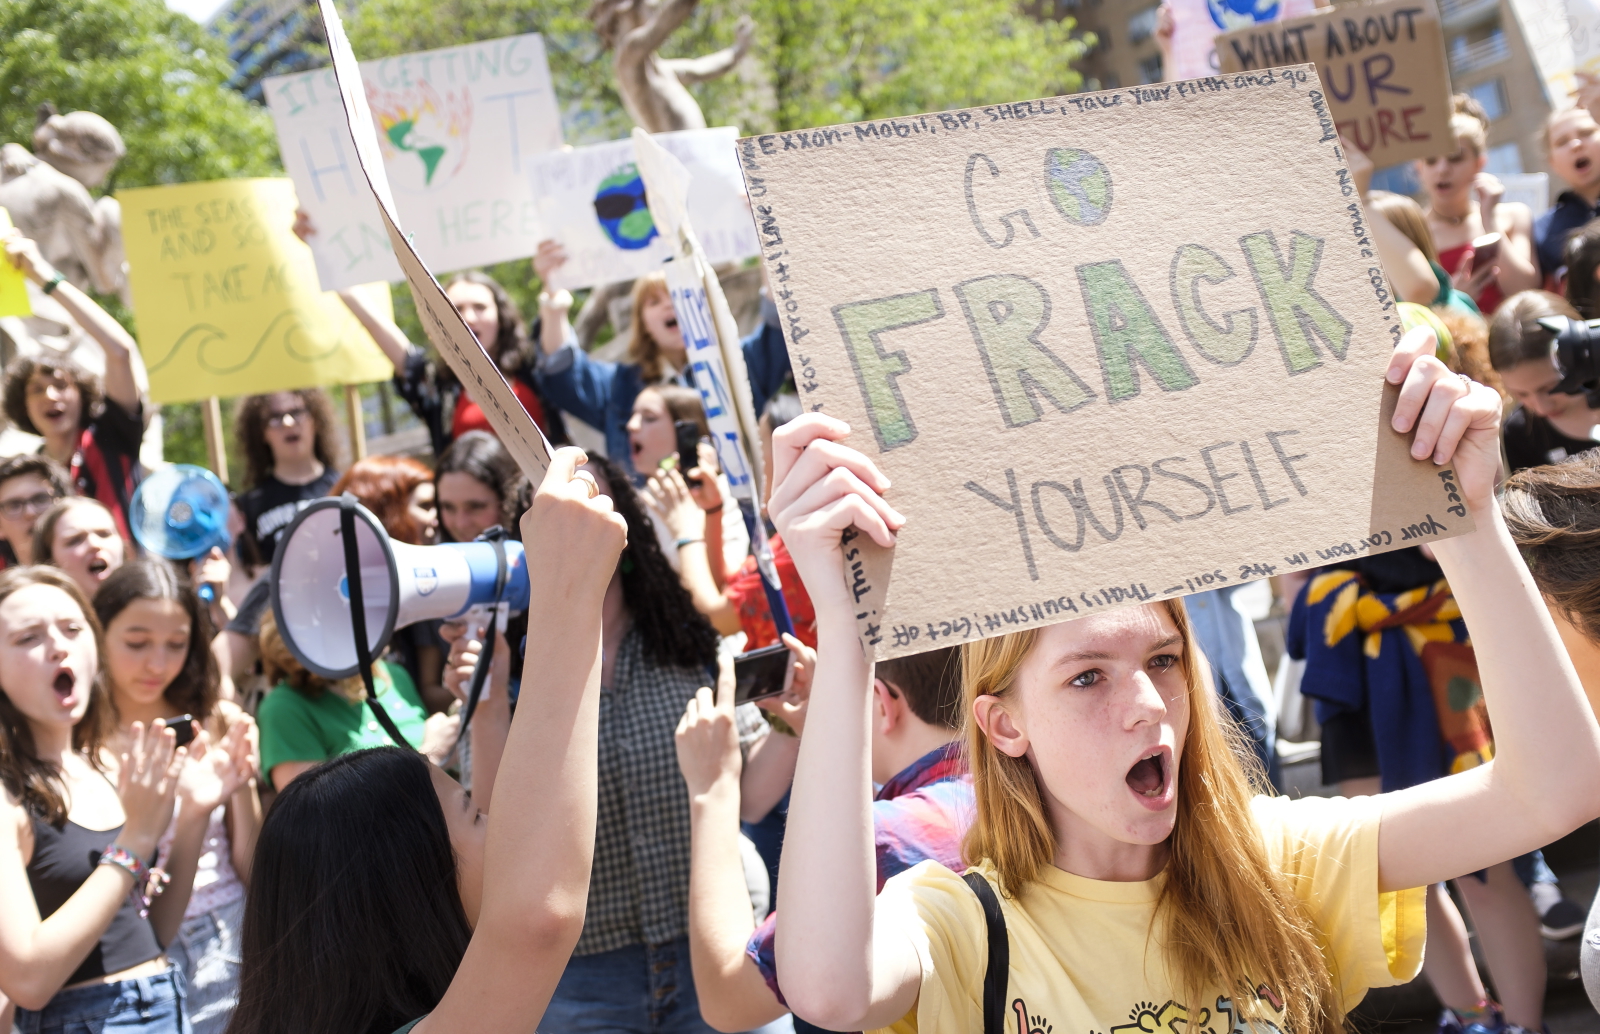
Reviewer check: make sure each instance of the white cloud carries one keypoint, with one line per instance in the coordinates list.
(199, 10)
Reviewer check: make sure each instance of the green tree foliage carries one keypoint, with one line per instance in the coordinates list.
(157, 76)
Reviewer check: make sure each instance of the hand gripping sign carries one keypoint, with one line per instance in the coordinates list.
(711, 339)
(1110, 348)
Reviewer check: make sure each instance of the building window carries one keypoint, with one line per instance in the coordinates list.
(1150, 69)
(1504, 160)
(1492, 95)
(1142, 25)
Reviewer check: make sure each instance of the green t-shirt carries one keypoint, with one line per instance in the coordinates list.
(297, 728)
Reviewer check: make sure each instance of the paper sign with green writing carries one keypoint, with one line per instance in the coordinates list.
(1382, 67)
(13, 282)
(1109, 348)
(227, 297)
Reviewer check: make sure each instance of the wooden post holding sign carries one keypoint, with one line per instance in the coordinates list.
(1087, 397)
(216, 445)
(443, 325)
(1382, 66)
(357, 420)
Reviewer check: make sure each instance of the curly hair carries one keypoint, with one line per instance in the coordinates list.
(481, 456)
(195, 688)
(384, 485)
(510, 348)
(21, 371)
(662, 609)
(26, 776)
(279, 665)
(250, 430)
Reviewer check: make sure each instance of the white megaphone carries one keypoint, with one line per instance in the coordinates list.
(400, 585)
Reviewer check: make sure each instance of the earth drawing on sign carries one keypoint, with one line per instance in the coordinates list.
(433, 129)
(620, 206)
(1239, 14)
(1079, 185)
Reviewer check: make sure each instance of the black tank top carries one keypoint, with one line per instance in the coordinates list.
(63, 860)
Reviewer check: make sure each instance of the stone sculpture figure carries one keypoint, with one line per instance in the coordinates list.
(653, 88)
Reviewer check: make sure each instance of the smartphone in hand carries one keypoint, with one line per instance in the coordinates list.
(758, 674)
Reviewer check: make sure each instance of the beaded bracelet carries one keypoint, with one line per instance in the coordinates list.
(153, 879)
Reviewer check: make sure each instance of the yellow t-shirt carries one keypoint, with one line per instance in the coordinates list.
(1084, 959)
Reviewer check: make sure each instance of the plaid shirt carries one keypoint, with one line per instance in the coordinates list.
(639, 887)
(919, 814)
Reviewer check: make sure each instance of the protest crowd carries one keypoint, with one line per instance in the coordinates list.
(588, 811)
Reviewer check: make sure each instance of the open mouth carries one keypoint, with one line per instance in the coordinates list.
(98, 566)
(65, 683)
(1582, 164)
(638, 447)
(1149, 776)
(672, 323)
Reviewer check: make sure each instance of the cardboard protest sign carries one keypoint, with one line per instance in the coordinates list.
(445, 329)
(593, 201)
(1382, 66)
(1085, 395)
(1196, 23)
(712, 344)
(457, 129)
(228, 299)
(13, 282)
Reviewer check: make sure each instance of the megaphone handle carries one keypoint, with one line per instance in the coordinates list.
(358, 616)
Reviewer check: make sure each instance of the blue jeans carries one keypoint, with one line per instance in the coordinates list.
(640, 989)
(148, 1005)
(207, 951)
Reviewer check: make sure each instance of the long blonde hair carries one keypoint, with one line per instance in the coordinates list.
(1232, 921)
(1406, 216)
(644, 350)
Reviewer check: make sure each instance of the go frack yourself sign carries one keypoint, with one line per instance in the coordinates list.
(1382, 66)
(1110, 348)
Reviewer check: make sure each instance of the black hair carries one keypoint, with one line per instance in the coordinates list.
(482, 457)
(1583, 266)
(41, 466)
(930, 683)
(662, 609)
(250, 431)
(354, 922)
(194, 690)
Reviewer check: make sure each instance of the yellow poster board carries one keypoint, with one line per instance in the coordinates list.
(226, 296)
(13, 283)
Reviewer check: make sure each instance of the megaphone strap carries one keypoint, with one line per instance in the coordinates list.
(496, 537)
(358, 615)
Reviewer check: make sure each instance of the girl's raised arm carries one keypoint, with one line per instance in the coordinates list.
(540, 843)
(1545, 778)
(838, 969)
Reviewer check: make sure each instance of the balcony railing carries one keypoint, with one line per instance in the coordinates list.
(1470, 57)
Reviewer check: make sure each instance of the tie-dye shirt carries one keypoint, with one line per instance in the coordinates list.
(919, 815)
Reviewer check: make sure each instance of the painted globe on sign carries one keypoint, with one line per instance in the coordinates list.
(1241, 14)
(619, 205)
(1079, 185)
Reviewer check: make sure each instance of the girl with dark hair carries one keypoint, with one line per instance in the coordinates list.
(78, 943)
(477, 485)
(1546, 426)
(653, 438)
(381, 893)
(630, 969)
(291, 455)
(158, 667)
(1118, 836)
(92, 426)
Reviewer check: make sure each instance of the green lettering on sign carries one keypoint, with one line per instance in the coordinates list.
(1006, 314)
(1225, 342)
(1299, 315)
(862, 324)
(1126, 330)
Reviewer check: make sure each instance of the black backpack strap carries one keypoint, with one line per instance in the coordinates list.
(996, 977)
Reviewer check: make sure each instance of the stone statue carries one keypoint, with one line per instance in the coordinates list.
(47, 194)
(653, 88)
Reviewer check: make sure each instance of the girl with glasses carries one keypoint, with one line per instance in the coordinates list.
(29, 485)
